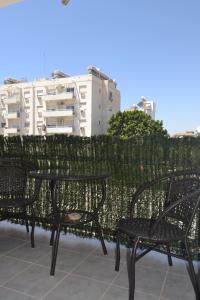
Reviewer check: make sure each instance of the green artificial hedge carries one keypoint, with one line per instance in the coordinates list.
(129, 162)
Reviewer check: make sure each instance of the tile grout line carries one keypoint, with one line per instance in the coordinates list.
(24, 270)
(67, 275)
(163, 285)
(111, 283)
(8, 251)
(19, 292)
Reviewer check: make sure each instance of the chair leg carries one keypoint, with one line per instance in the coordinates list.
(169, 255)
(192, 272)
(117, 251)
(27, 227)
(26, 220)
(52, 235)
(32, 227)
(100, 234)
(55, 251)
(132, 270)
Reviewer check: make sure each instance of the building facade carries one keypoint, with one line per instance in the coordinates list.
(149, 107)
(79, 105)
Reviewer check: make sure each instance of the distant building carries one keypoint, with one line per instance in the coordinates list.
(198, 130)
(149, 107)
(79, 105)
(184, 134)
(8, 2)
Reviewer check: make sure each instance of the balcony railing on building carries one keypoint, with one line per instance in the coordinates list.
(59, 96)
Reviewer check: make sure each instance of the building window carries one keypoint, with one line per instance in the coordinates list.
(82, 87)
(51, 92)
(99, 91)
(99, 106)
(110, 96)
(70, 90)
(99, 122)
(39, 114)
(40, 92)
(3, 96)
(27, 124)
(83, 113)
(26, 94)
(70, 107)
(83, 95)
(82, 131)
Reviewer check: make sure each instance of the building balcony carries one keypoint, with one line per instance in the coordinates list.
(58, 97)
(59, 129)
(12, 100)
(12, 115)
(58, 113)
(14, 130)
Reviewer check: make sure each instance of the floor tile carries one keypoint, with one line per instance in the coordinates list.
(78, 288)
(7, 294)
(8, 243)
(35, 281)
(117, 293)
(75, 243)
(111, 251)
(27, 253)
(10, 267)
(148, 280)
(178, 288)
(154, 260)
(97, 268)
(66, 260)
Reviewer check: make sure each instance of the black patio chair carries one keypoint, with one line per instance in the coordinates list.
(181, 194)
(15, 203)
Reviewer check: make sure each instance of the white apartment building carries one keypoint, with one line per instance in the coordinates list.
(149, 107)
(79, 105)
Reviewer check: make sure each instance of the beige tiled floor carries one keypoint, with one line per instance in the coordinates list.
(82, 271)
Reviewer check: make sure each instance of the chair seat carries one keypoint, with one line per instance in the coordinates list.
(141, 227)
(15, 203)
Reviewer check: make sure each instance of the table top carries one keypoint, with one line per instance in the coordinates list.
(66, 175)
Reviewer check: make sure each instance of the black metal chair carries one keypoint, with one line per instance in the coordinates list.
(14, 200)
(78, 218)
(181, 194)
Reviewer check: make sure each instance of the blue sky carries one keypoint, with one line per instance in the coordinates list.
(151, 48)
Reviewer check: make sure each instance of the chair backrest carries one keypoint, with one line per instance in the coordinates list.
(183, 211)
(179, 188)
(13, 180)
(162, 191)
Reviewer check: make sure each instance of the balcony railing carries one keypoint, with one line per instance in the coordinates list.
(58, 112)
(57, 97)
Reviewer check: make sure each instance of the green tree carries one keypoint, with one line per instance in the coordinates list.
(134, 123)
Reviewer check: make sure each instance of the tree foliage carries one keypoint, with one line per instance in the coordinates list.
(134, 123)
